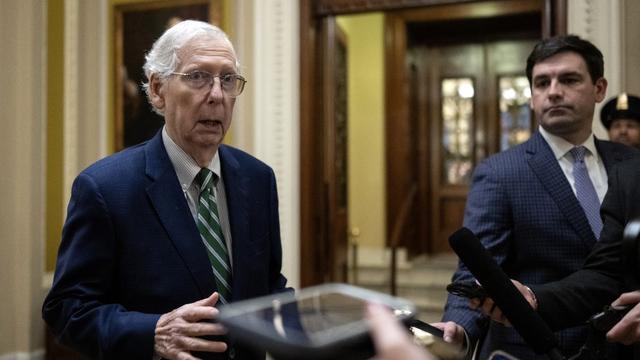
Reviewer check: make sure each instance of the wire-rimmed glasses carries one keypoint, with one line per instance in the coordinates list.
(231, 84)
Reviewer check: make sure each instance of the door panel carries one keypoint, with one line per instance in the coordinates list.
(475, 104)
(454, 76)
(504, 20)
(506, 62)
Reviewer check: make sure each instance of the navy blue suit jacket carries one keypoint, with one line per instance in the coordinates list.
(131, 251)
(524, 211)
(610, 269)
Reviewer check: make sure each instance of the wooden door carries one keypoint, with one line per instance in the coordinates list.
(407, 193)
(452, 77)
(434, 135)
(472, 103)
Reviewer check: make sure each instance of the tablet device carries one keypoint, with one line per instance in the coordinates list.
(320, 322)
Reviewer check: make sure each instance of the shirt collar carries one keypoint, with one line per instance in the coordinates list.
(561, 147)
(185, 166)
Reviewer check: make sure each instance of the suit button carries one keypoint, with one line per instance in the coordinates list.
(232, 353)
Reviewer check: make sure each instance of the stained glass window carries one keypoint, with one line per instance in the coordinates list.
(457, 129)
(515, 114)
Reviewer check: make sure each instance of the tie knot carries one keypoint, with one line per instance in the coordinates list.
(206, 179)
(578, 153)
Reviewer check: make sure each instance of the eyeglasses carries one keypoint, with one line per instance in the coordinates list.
(231, 84)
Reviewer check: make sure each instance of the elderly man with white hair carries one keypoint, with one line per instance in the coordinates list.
(159, 234)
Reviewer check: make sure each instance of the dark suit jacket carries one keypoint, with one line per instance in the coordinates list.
(524, 211)
(131, 251)
(601, 280)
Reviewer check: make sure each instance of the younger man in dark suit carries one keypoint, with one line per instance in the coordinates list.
(535, 206)
(603, 277)
(160, 233)
(610, 272)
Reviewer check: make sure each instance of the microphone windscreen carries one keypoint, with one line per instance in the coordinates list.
(522, 317)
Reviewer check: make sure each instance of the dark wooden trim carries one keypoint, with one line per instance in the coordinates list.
(311, 176)
(560, 15)
(340, 7)
(396, 111)
(471, 10)
(555, 18)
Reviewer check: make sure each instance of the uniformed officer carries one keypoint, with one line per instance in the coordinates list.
(621, 116)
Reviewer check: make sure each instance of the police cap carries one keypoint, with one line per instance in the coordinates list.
(623, 106)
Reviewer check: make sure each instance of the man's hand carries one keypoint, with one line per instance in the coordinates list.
(627, 331)
(489, 308)
(453, 333)
(390, 339)
(178, 332)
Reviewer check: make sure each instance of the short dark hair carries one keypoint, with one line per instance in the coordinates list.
(564, 43)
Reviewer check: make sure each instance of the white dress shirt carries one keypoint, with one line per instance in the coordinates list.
(186, 169)
(561, 149)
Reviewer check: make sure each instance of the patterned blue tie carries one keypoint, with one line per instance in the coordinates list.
(211, 233)
(585, 192)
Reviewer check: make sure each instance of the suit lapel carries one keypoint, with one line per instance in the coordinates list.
(173, 212)
(236, 187)
(544, 164)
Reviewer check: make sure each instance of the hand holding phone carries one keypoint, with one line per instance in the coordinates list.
(611, 315)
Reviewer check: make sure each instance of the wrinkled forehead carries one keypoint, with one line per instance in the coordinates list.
(207, 46)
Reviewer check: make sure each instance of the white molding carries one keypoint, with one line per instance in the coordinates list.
(631, 46)
(275, 115)
(22, 155)
(85, 86)
(623, 30)
(242, 38)
(70, 117)
(600, 22)
(35, 355)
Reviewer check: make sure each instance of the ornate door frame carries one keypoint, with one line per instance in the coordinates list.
(314, 235)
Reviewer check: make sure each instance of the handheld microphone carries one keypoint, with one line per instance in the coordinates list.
(522, 317)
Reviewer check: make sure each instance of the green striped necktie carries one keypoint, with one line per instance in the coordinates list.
(211, 233)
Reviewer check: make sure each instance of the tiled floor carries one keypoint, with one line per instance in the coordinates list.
(421, 280)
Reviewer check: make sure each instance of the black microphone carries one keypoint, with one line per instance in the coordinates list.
(523, 318)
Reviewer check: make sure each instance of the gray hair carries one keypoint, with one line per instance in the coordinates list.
(163, 58)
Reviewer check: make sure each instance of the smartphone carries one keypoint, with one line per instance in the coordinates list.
(430, 337)
(467, 289)
(605, 320)
(320, 322)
